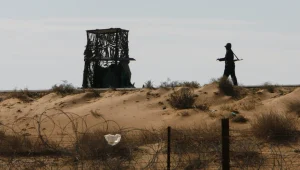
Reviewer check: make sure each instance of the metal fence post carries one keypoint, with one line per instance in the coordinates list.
(169, 149)
(225, 144)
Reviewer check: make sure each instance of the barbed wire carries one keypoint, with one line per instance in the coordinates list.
(75, 143)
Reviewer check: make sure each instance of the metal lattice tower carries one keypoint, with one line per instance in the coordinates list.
(106, 59)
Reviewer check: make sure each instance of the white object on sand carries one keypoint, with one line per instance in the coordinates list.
(113, 139)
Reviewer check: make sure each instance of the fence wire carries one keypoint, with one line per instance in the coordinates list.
(42, 142)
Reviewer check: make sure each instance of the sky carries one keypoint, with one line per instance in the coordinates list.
(42, 42)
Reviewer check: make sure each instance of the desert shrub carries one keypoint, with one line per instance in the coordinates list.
(269, 87)
(214, 81)
(239, 119)
(184, 114)
(20, 95)
(93, 145)
(116, 164)
(294, 106)
(182, 99)
(93, 93)
(144, 137)
(246, 152)
(196, 163)
(148, 84)
(164, 84)
(64, 89)
(226, 86)
(249, 105)
(30, 93)
(203, 106)
(169, 84)
(24, 95)
(274, 126)
(203, 142)
(173, 84)
(229, 107)
(12, 144)
(191, 84)
(22, 145)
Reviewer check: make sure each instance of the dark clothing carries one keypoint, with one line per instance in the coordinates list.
(229, 58)
(229, 66)
(230, 70)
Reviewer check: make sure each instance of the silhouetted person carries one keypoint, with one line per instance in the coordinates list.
(229, 64)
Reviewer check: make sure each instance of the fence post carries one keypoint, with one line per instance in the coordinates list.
(169, 149)
(225, 144)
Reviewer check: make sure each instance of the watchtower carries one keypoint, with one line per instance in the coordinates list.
(106, 59)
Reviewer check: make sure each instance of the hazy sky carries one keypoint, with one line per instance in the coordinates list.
(42, 42)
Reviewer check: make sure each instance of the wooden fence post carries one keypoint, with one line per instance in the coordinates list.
(169, 149)
(225, 144)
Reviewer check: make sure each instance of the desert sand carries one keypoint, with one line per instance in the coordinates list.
(146, 108)
(58, 118)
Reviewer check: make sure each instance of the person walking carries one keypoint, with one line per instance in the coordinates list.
(229, 64)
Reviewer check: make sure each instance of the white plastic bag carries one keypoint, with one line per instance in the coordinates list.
(113, 139)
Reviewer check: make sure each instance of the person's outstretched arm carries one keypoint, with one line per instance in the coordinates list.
(221, 59)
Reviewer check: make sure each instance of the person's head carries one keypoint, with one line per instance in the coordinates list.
(228, 46)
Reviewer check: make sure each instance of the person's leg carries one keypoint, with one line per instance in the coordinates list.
(226, 73)
(233, 77)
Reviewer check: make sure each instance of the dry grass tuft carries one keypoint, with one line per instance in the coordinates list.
(23, 145)
(148, 84)
(270, 87)
(246, 153)
(239, 119)
(197, 146)
(274, 127)
(93, 93)
(92, 145)
(24, 95)
(182, 99)
(169, 84)
(294, 106)
(172, 84)
(249, 105)
(190, 84)
(203, 106)
(229, 107)
(184, 114)
(64, 89)
(226, 87)
(95, 114)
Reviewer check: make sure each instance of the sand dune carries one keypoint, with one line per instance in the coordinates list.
(147, 108)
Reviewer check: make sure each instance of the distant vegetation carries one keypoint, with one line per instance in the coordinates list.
(148, 84)
(173, 84)
(24, 95)
(269, 87)
(64, 89)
